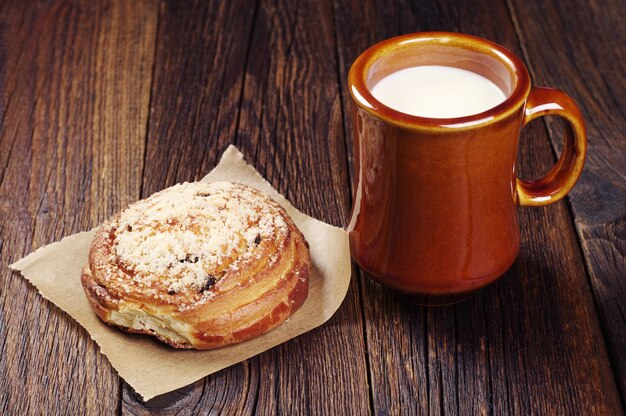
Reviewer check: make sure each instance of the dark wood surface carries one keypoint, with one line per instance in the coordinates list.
(106, 102)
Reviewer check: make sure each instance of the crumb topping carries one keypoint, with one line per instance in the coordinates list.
(184, 238)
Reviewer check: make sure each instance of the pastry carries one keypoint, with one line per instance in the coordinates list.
(198, 265)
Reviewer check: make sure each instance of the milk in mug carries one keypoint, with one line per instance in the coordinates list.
(437, 91)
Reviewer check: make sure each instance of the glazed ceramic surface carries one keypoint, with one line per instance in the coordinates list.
(434, 214)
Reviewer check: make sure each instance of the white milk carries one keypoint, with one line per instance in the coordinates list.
(437, 92)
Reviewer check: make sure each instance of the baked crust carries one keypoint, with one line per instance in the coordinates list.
(198, 266)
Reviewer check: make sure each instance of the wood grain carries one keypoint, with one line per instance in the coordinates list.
(291, 121)
(499, 351)
(102, 103)
(589, 65)
(75, 81)
(269, 118)
(194, 105)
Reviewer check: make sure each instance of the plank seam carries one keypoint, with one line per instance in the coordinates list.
(255, 14)
(368, 366)
(488, 363)
(457, 370)
(287, 143)
(120, 402)
(442, 408)
(255, 403)
(152, 73)
(120, 394)
(359, 273)
(427, 358)
(341, 104)
(611, 355)
(245, 66)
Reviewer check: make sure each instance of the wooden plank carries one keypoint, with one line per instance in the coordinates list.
(74, 96)
(515, 347)
(588, 64)
(292, 133)
(291, 121)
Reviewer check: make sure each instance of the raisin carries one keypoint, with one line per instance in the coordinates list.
(210, 281)
(257, 240)
(171, 292)
(189, 259)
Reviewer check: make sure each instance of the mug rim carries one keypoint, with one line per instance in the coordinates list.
(362, 96)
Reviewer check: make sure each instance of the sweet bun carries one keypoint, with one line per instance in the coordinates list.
(198, 265)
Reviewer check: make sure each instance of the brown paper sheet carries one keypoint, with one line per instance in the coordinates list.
(152, 368)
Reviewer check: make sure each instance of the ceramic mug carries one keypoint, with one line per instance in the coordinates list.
(434, 214)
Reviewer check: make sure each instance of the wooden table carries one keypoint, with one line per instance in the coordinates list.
(106, 102)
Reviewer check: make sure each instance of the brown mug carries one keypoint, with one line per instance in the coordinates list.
(434, 213)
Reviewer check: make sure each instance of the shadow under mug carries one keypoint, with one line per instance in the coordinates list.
(434, 214)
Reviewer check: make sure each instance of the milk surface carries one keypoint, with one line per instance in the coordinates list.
(438, 92)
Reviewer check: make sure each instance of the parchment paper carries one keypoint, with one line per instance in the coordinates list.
(152, 368)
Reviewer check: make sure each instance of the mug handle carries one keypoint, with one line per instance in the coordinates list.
(562, 177)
